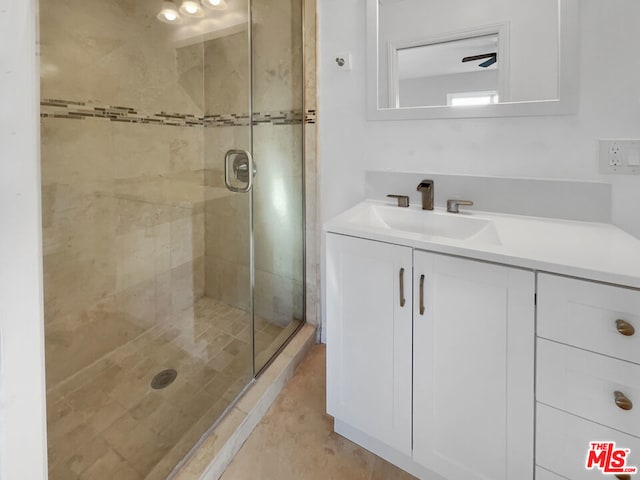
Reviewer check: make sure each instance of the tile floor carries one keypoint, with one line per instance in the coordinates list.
(295, 439)
(107, 422)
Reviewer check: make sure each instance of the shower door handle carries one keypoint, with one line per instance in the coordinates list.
(243, 166)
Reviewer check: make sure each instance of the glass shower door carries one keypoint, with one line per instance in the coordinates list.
(255, 230)
(278, 193)
(147, 253)
(173, 262)
(229, 176)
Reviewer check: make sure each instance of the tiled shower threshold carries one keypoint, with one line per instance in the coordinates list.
(214, 452)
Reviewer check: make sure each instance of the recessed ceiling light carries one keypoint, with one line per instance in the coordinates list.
(191, 8)
(169, 13)
(215, 4)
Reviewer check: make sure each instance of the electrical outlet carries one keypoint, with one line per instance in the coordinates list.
(615, 155)
(620, 156)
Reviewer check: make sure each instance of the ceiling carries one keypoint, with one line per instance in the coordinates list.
(214, 24)
(445, 58)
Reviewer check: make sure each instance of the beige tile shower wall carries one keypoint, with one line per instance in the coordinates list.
(227, 214)
(278, 223)
(226, 79)
(123, 203)
(277, 55)
(115, 52)
(123, 251)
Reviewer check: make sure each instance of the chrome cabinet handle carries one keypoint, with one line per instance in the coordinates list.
(227, 170)
(402, 299)
(421, 294)
(625, 328)
(622, 401)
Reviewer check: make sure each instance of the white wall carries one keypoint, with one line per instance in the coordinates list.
(560, 147)
(434, 90)
(22, 392)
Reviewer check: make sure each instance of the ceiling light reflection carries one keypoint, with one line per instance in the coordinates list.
(169, 13)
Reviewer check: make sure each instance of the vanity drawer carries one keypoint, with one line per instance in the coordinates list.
(562, 443)
(597, 317)
(585, 383)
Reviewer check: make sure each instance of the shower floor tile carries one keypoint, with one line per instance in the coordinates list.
(107, 422)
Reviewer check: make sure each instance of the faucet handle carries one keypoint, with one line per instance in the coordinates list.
(403, 200)
(452, 205)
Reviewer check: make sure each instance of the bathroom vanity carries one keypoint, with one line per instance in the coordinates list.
(482, 346)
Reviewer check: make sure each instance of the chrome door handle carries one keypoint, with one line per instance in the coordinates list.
(402, 299)
(422, 295)
(229, 165)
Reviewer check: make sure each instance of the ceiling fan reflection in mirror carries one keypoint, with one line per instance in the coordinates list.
(492, 58)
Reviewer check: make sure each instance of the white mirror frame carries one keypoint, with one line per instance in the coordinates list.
(568, 95)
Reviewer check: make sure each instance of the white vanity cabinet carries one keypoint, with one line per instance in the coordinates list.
(369, 338)
(588, 373)
(449, 387)
(472, 378)
(473, 368)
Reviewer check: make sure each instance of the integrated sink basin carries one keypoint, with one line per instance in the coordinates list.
(435, 224)
(598, 251)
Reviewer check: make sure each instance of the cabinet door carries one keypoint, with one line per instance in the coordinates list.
(473, 410)
(369, 338)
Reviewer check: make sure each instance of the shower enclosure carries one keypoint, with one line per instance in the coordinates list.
(173, 220)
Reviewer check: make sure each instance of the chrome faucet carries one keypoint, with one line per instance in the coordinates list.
(426, 188)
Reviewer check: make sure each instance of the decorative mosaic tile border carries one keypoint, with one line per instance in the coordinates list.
(279, 118)
(310, 117)
(53, 108)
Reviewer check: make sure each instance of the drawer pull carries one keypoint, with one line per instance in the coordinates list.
(623, 476)
(421, 294)
(622, 401)
(402, 299)
(625, 328)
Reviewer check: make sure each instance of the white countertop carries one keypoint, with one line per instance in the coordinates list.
(595, 251)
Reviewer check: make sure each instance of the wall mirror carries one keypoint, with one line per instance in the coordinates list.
(480, 58)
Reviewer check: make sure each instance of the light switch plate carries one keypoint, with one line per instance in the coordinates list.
(619, 156)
